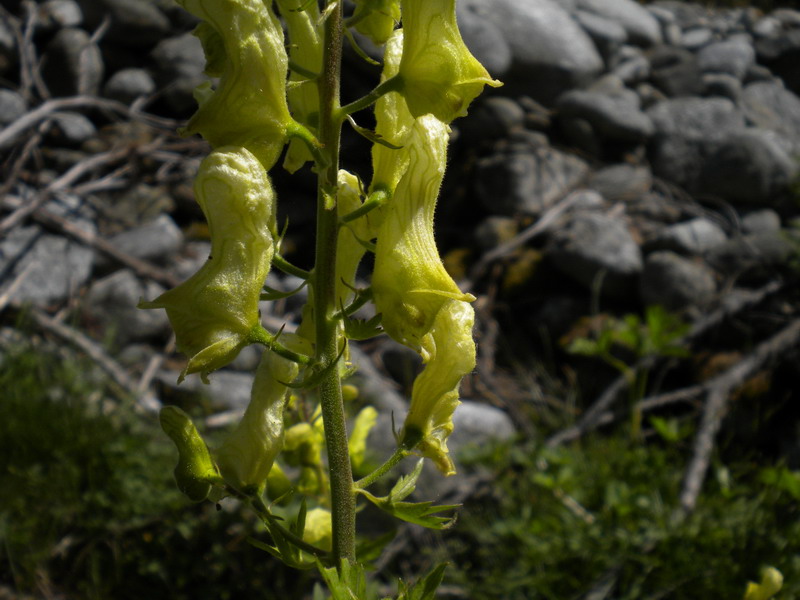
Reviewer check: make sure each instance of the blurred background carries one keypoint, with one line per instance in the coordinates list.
(625, 209)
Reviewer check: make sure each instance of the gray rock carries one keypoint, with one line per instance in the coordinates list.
(155, 241)
(135, 24)
(622, 182)
(606, 34)
(781, 55)
(181, 62)
(72, 64)
(693, 237)
(527, 180)
(770, 106)
(766, 27)
(675, 71)
(126, 85)
(111, 302)
(761, 221)
(483, 38)
(696, 38)
(55, 14)
(749, 256)
(787, 17)
(640, 25)
(613, 117)
(478, 424)
(71, 129)
(493, 118)
(12, 106)
(676, 282)
(226, 389)
(630, 65)
(723, 85)
(594, 247)
(550, 52)
(731, 57)
(687, 131)
(55, 267)
(750, 167)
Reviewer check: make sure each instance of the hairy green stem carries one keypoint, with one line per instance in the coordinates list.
(390, 464)
(328, 337)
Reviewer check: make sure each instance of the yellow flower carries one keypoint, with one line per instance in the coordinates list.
(214, 311)
(305, 50)
(409, 283)
(393, 123)
(349, 250)
(434, 397)
(440, 75)
(249, 106)
(247, 455)
(771, 584)
(377, 18)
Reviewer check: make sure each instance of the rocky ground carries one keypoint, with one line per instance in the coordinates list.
(636, 155)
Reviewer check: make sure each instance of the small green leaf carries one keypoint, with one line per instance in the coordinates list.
(347, 583)
(419, 513)
(362, 329)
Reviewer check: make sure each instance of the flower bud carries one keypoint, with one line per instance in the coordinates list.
(319, 528)
(409, 283)
(247, 455)
(214, 311)
(349, 250)
(377, 18)
(434, 397)
(440, 75)
(195, 471)
(249, 107)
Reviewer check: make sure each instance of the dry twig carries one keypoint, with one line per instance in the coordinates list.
(719, 392)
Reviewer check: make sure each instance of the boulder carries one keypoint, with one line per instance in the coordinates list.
(641, 26)
(594, 248)
(687, 131)
(676, 282)
(550, 53)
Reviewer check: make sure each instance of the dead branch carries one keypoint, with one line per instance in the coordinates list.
(719, 392)
(118, 375)
(49, 107)
(140, 267)
(596, 414)
(540, 226)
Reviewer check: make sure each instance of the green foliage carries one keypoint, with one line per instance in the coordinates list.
(419, 513)
(563, 522)
(89, 508)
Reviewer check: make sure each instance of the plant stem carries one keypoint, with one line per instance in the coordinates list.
(328, 337)
(390, 464)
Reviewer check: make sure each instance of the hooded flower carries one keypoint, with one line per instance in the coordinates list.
(214, 311)
(440, 75)
(249, 107)
(434, 397)
(409, 283)
(247, 455)
(377, 18)
(393, 123)
(305, 50)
